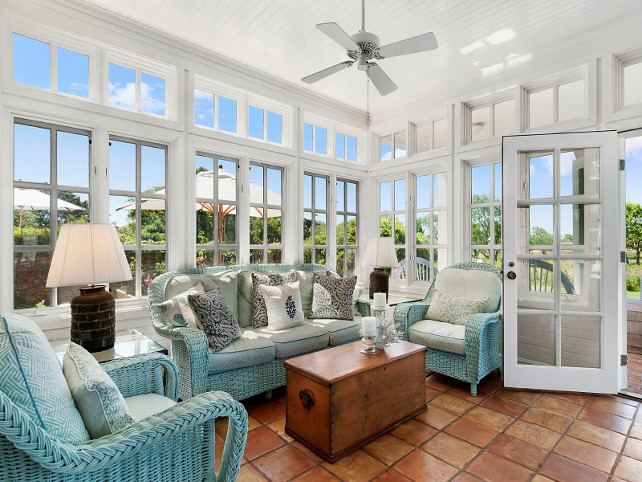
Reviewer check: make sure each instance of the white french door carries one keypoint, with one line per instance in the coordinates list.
(561, 261)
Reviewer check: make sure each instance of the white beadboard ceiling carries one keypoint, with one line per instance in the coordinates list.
(477, 39)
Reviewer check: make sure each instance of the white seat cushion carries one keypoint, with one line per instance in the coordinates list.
(143, 406)
(341, 331)
(247, 350)
(297, 340)
(440, 335)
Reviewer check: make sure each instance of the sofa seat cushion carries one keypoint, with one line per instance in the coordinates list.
(247, 350)
(143, 406)
(471, 283)
(297, 340)
(340, 331)
(31, 376)
(439, 334)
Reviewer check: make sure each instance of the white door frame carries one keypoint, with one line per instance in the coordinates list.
(605, 379)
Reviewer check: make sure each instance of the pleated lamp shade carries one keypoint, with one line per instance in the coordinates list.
(380, 253)
(88, 253)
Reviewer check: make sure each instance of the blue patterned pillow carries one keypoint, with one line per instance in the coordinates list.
(30, 375)
(101, 404)
(217, 320)
(333, 297)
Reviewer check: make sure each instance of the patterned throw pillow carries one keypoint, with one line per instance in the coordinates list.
(333, 297)
(217, 320)
(259, 310)
(177, 310)
(453, 309)
(284, 306)
(100, 403)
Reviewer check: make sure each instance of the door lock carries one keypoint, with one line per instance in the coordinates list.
(511, 275)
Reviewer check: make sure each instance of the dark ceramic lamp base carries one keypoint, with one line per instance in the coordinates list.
(93, 319)
(378, 282)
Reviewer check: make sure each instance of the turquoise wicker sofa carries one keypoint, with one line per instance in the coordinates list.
(468, 352)
(174, 444)
(252, 364)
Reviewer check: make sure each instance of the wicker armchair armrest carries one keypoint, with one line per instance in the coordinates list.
(406, 314)
(101, 453)
(145, 373)
(477, 326)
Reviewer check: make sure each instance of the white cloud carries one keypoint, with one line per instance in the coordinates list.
(533, 171)
(125, 96)
(566, 163)
(202, 95)
(149, 102)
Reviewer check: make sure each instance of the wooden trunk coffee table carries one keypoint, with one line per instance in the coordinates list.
(339, 399)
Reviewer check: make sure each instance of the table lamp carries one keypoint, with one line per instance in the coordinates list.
(88, 253)
(380, 254)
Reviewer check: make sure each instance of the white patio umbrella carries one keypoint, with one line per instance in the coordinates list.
(34, 200)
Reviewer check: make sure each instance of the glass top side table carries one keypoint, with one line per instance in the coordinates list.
(128, 343)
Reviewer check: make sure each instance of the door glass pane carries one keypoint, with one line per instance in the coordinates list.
(580, 228)
(498, 181)
(498, 226)
(536, 283)
(540, 176)
(580, 172)
(580, 285)
(536, 229)
(536, 340)
(227, 121)
(480, 256)
(480, 120)
(581, 341)
(540, 105)
(571, 100)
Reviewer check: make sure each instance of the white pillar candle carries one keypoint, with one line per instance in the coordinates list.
(379, 301)
(369, 326)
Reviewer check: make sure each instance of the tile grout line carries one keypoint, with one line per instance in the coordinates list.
(626, 440)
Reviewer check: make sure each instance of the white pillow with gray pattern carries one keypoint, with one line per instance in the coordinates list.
(332, 297)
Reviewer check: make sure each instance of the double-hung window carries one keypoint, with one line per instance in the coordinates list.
(137, 206)
(51, 166)
(216, 210)
(347, 226)
(315, 216)
(266, 213)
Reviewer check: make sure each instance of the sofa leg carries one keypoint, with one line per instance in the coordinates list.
(268, 394)
(473, 389)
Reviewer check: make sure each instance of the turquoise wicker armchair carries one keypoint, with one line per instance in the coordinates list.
(468, 352)
(175, 444)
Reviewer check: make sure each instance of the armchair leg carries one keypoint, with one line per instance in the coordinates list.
(473, 389)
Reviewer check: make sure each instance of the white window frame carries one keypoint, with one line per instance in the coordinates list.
(431, 123)
(467, 118)
(330, 136)
(393, 131)
(276, 108)
(332, 128)
(619, 63)
(219, 89)
(265, 206)
(392, 213)
(345, 213)
(314, 211)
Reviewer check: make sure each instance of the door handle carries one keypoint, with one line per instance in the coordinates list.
(511, 275)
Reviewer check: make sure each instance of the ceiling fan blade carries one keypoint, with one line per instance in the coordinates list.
(420, 43)
(322, 74)
(336, 33)
(380, 79)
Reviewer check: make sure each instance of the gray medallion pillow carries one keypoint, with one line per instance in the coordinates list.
(332, 297)
(259, 310)
(217, 320)
(100, 403)
(453, 309)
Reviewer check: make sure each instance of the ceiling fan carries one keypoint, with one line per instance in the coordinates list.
(364, 46)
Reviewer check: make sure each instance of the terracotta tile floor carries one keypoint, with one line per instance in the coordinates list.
(500, 435)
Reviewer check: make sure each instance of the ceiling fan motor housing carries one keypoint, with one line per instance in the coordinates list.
(368, 44)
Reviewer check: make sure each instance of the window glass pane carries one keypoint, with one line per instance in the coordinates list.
(256, 256)
(73, 159)
(385, 226)
(152, 221)
(226, 181)
(29, 279)
(256, 184)
(320, 193)
(632, 94)
(351, 261)
(255, 122)
(423, 228)
(571, 100)
(122, 166)
(352, 197)
(319, 229)
(204, 227)
(400, 144)
(385, 148)
(274, 226)
(504, 117)
(340, 262)
(400, 195)
(440, 132)
(31, 61)
(227, 226)
(341, 240)
(204, 257)
(480, 128)
(340, 147)
(351, 235)
(122, 213)
(385, 197)
(73, 72)
(307, 137)
(152, 94)
(341, 196)
(498, 181)
(152, 169)
(274, 127)
(320, 140)
(227, 115)
(307, 191)
(439, 190)
(31, 154)
(274, 186)
(122, 86)
(152, 265)
(307, 229)
(256, 225)
(480, 224)
(319, 256)
(498, 225)
(126, 289)
(423, 192)
(424, 135)
(480, 184)
(203, 108)
(351, 148)
(31, 216)
(540, 106)
(205, 178)
(400, 229)
(440, 227)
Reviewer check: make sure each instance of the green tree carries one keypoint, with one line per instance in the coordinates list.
(539, 236)
(634, 229)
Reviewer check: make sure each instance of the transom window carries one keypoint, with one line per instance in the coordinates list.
(136, 89)
(34, 62)
(347, 226)
(266, 213)
(51, 167)
(431, 135)
(216, 210)
(393, 146)
(491, 120)
(137, 200)
(215, 111)
(346, 147)
(315, 139)
(264, 124)
(486, 213)
(558, 103)
(315, 218)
